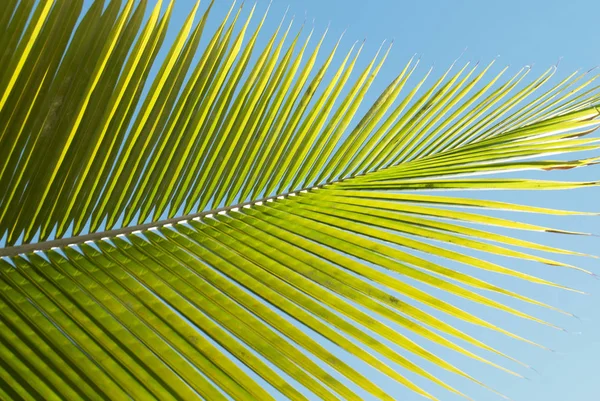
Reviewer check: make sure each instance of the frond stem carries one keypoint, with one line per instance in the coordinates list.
(62, 242)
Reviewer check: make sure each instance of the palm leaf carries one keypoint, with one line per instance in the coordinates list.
(208, 236)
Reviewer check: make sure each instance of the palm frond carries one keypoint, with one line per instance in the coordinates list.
(206, 232)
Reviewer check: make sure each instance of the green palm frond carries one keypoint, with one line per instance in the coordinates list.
(201, 233)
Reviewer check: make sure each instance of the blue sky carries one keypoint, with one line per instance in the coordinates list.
(536, 33)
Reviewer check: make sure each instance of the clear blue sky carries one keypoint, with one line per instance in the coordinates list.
(532, 32)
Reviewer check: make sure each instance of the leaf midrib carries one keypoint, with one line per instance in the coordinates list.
(79, 239)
